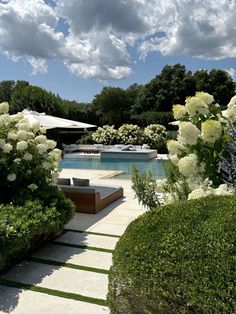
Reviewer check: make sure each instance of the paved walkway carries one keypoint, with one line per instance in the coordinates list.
(70, 274)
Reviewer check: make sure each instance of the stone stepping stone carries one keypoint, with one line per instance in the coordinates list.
(109, 228)
(20, 301)
(92, 240)
(77, 256)
(86, 283)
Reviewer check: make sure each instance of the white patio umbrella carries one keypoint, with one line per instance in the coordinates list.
(50, 122)
(174, 123)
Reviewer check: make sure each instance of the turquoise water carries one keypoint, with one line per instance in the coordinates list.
(155, 166)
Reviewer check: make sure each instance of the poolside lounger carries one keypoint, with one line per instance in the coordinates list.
(91, 199)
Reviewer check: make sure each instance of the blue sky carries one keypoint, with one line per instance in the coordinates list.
(74, 47)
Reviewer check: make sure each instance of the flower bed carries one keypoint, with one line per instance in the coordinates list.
(31, 206)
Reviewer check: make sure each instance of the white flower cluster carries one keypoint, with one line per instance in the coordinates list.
(201, 138)
(129, 134)
(33, 155)
(105, 135)
(155, 134)
(231, 111)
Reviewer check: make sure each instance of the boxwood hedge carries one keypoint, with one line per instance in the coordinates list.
(23, 226)
(180, 258)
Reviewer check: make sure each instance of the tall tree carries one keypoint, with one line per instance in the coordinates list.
(6, 90)
(171, 86)
(37, 99)
(217, 83)
(112, 106)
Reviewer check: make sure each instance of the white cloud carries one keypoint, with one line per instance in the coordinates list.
(232, 73)
(93, 42)
(197, 28)
(39, 65)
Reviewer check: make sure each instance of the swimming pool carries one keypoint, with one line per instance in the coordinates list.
(154, 165)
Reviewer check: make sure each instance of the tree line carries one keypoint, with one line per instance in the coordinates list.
(138, 104)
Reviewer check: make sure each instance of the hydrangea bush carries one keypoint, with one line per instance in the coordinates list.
(105, 135)
(130, 134)
(28, 160)
(155, 135)
(196, 155)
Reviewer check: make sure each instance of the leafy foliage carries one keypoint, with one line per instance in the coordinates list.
(130, 134)
(144, 186)
(21, 226)
(155, 136)
(177, 259)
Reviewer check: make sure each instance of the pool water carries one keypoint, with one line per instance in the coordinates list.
(155, 166)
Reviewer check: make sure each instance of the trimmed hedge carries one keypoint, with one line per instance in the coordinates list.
(179, 258)
(22, 226)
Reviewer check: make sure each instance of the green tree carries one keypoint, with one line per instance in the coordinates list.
(217, 83)
(37, 99)
(222, 85)
(6, 90)
(112, 106)
(172, 85)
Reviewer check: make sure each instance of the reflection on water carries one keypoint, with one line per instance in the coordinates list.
(155, 166)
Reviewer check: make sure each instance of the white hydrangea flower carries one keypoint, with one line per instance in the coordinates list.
(205, 97)
(12, 136)
(32, 187)
(174, 147)
(174, 159)
(179, 111)
(7, 148)
(170, 198)
(224, 189)
(194, 182)
(195, 106)
(22, 145)
(211, 131)
(40, 139)
(188, 133)
(51, 144)
(230, 113)
(24, 126)
(22, 135)
(42, 148)
(17, 117)
(35, 126)
(27, 156)
(200, 192)
(4, 107)
(55, 155)
(11, 177)
(188, 165)
(4, 119)
(17, 161)
(160, 185)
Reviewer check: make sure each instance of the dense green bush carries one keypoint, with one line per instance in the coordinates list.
(177, 259)
(22, 225)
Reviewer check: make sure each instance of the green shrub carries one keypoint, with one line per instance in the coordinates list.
(22, 225)
(177, 259)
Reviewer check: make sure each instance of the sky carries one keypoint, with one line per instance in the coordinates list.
(76, 47)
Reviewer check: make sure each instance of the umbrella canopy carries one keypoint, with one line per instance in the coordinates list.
(50, 122)
(174, 123)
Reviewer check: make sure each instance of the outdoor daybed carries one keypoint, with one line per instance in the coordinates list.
(91, 199)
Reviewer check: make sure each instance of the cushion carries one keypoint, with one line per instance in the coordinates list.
(80, 182)
(63, 181)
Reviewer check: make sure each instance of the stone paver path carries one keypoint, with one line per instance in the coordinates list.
(70, 275)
